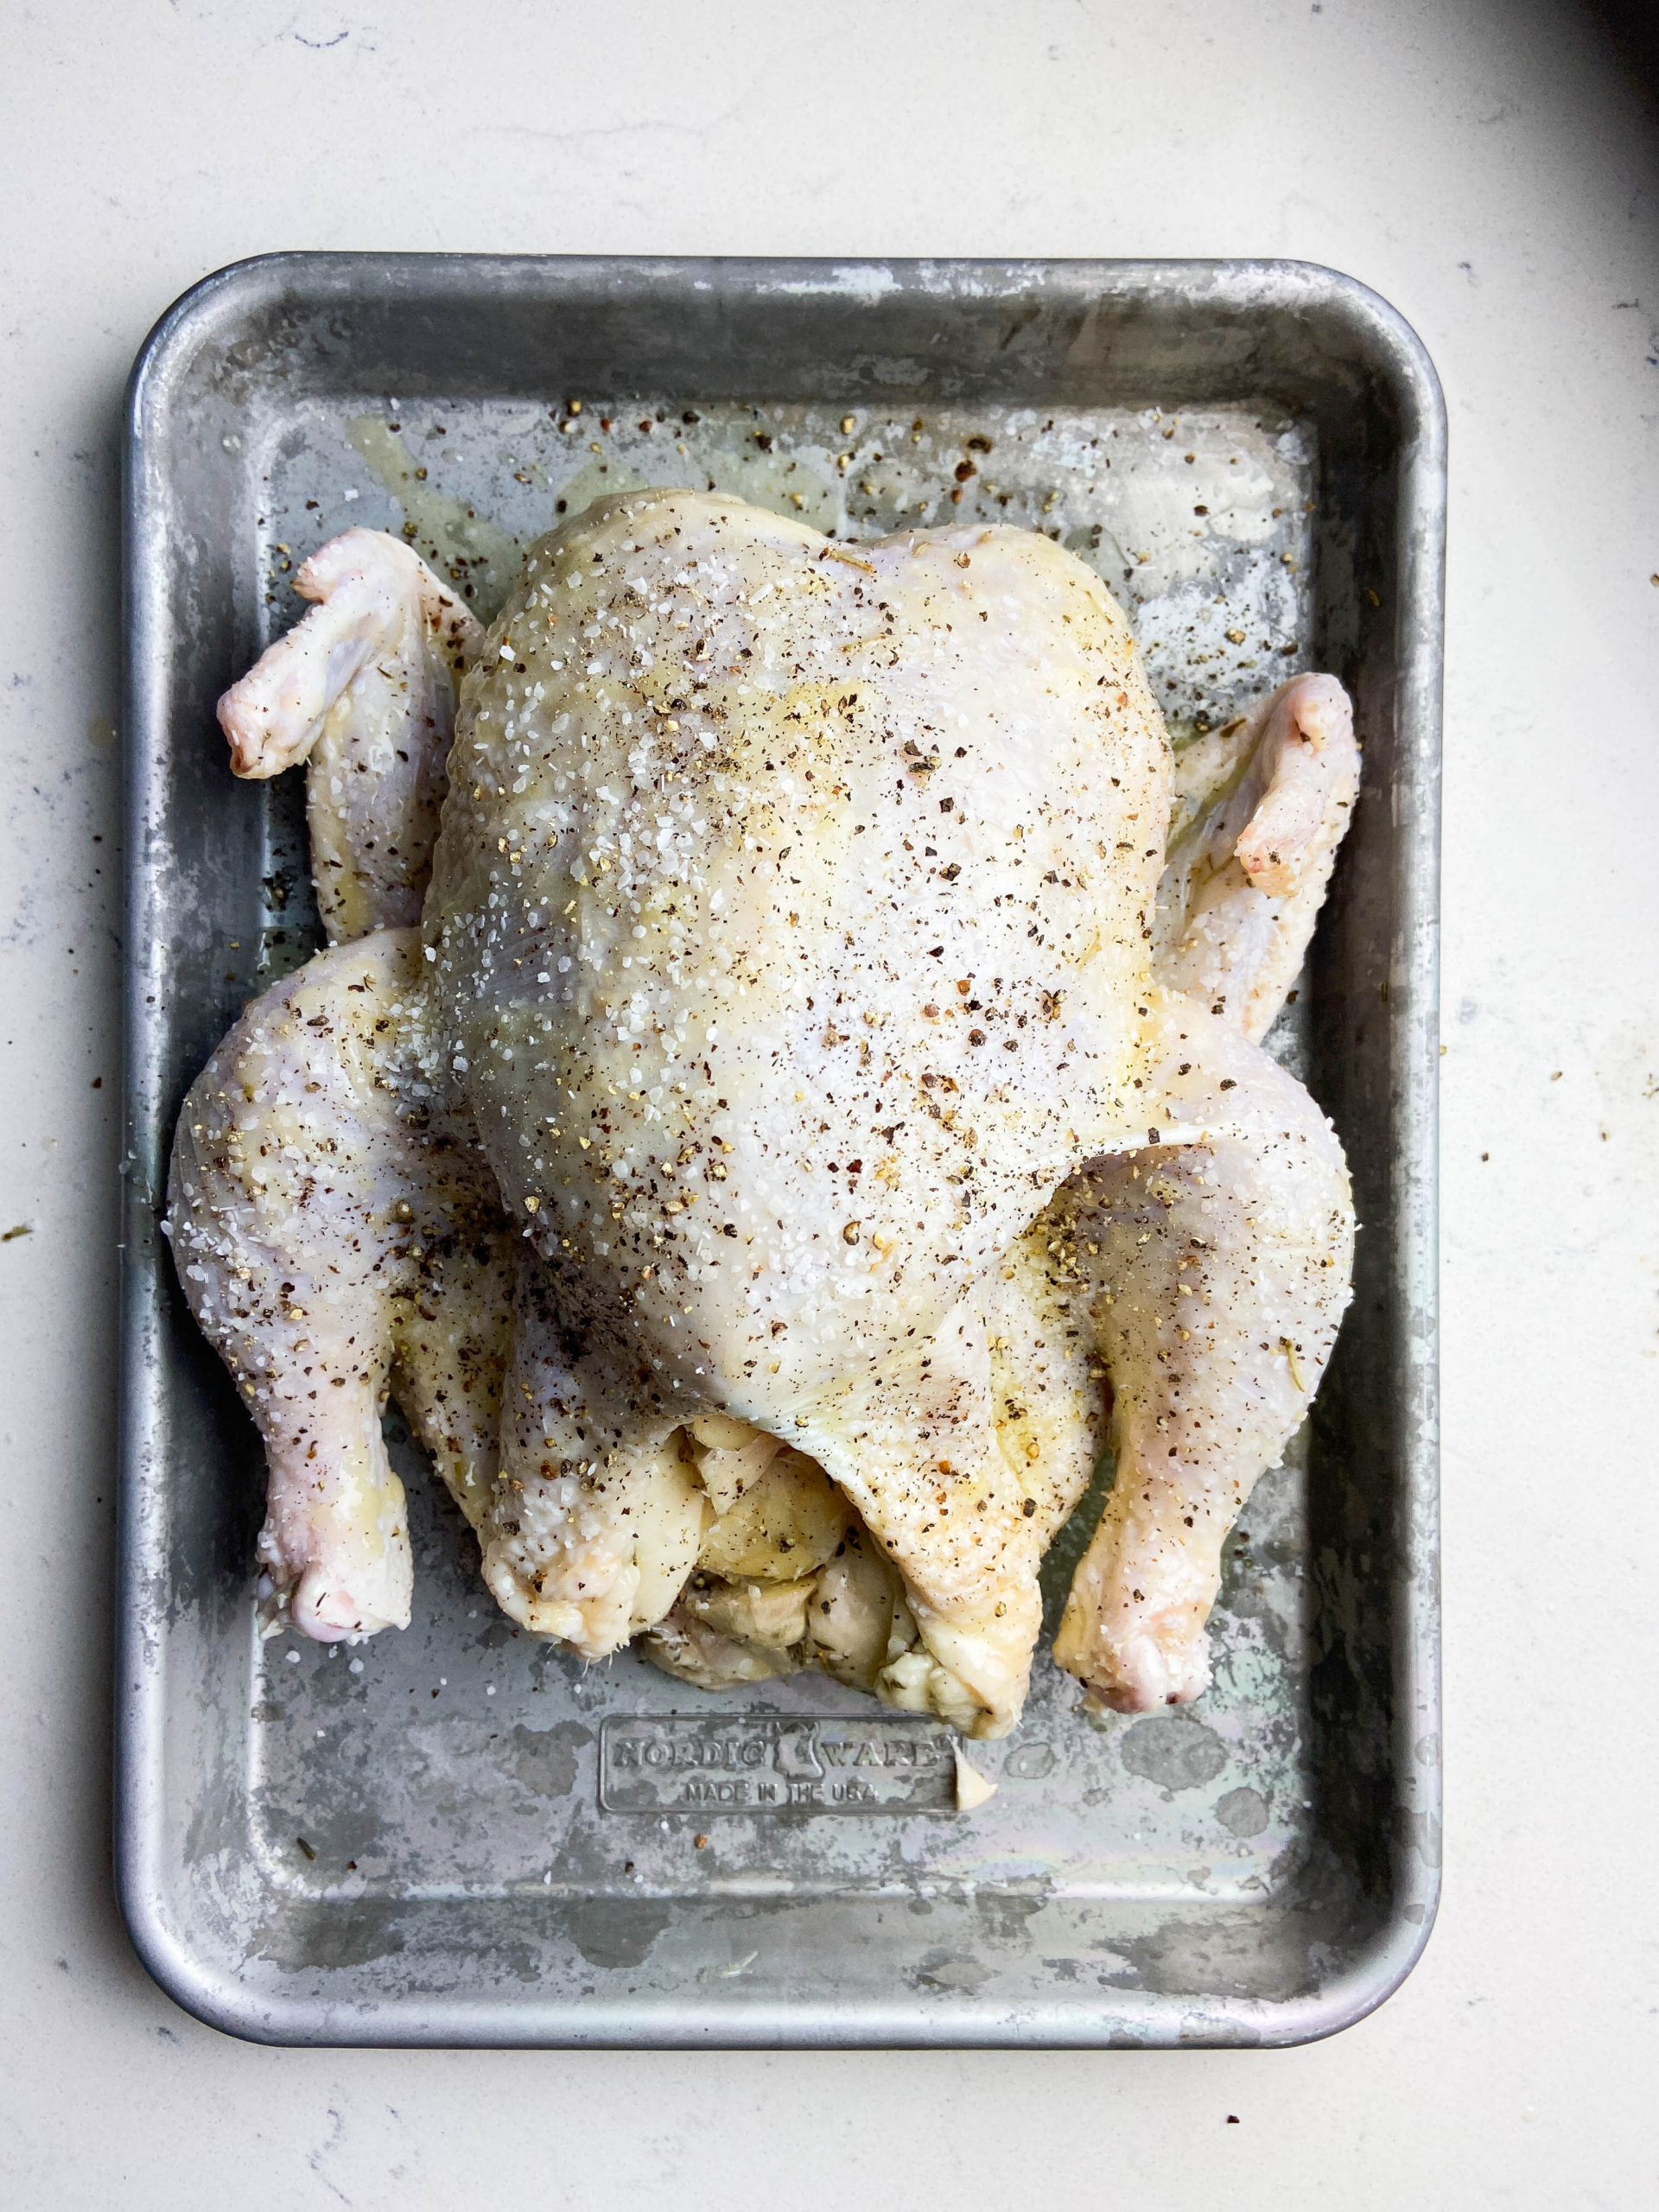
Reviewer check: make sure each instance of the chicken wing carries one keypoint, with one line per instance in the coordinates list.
(364, 688)
(1261, 808)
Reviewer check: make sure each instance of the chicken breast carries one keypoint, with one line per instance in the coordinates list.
(790, 923)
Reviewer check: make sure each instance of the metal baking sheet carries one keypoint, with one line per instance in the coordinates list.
(460, 1835)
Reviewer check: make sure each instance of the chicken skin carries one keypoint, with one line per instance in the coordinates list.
(796, 974)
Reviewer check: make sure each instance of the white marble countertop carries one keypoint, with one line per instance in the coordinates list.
(1487, 168)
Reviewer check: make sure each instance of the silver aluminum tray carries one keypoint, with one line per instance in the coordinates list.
(460, 1836)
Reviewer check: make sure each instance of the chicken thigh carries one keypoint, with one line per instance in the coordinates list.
(334, 1229)
(1212, 1269)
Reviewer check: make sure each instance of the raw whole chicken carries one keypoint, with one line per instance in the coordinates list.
(796, 992)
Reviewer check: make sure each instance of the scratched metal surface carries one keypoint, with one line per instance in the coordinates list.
(458, 1834)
